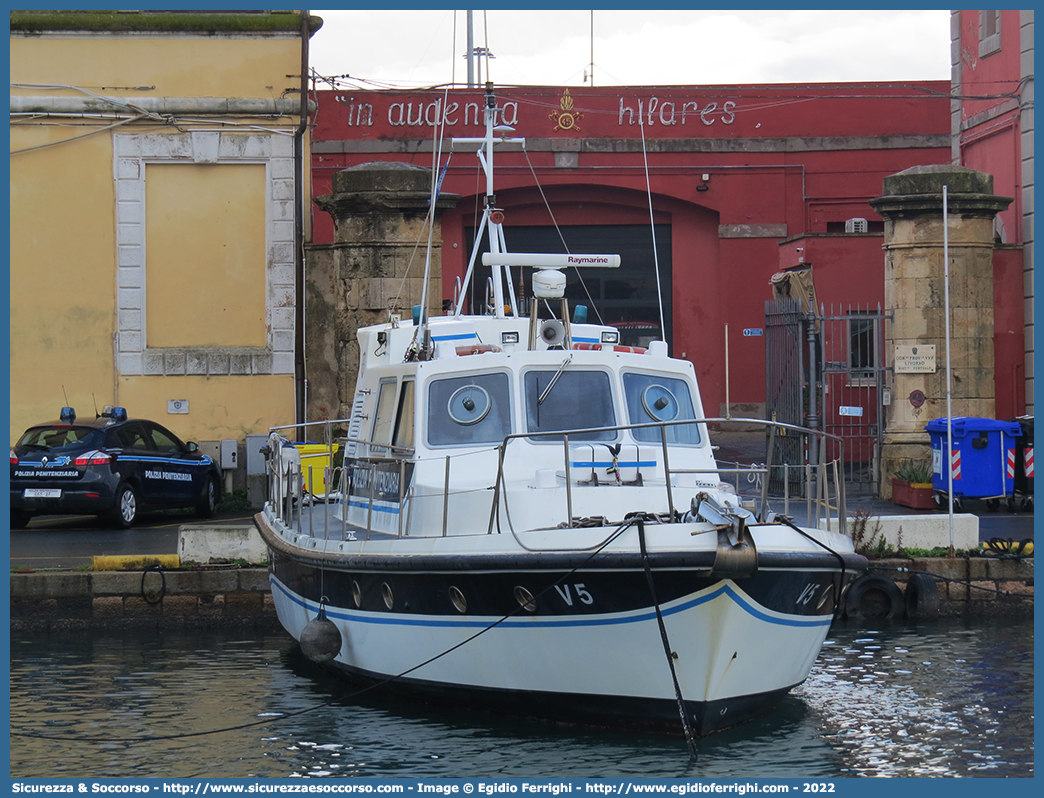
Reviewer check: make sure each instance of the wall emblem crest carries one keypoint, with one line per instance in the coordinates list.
(566, 118)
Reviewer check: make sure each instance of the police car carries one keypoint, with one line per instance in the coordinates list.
(110, 465)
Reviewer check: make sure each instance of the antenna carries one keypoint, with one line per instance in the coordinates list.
(592, 49)
(65, 395)
(94, 399)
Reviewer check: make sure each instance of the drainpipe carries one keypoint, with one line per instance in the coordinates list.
(299, 271)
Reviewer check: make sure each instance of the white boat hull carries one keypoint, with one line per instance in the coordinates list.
(570, 661)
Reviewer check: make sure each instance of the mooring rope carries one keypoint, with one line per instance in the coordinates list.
(332, 701)
(838, 604)
(690, 738)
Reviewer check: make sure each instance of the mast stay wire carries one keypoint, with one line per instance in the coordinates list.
(439, 130)
(561, 237)
(652, 229)
(429, 219)
(540, 188)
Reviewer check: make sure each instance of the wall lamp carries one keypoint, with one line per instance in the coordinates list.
(703, 186)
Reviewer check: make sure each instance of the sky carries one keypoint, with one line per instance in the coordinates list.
(414, 48)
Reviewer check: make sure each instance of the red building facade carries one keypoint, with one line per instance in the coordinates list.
(992, 131)
(744, 181)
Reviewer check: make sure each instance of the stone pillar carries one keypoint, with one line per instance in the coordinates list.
(374, 267)
(915, 293)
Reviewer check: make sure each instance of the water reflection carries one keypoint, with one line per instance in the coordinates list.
(945, 699)
(930, 700)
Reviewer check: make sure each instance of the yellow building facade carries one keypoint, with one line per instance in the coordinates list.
(155, 217)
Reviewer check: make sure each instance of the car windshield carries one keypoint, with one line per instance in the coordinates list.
(56, 437)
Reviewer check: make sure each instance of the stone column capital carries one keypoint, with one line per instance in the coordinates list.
(382, 186)
(919, 191)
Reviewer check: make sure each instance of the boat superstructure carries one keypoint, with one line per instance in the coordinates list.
(529, 517)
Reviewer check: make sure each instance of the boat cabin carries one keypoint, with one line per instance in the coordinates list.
(489, 421)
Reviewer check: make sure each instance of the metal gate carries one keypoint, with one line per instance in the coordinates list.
(785, 381)
(825, 370)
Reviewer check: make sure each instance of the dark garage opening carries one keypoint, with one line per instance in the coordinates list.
(625, 297)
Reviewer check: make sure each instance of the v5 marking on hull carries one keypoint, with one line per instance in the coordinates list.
(581, 593)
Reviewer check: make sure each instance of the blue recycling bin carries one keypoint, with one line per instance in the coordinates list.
(1024, 457)
(983, 456)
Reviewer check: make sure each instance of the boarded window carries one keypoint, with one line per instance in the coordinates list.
(989, 32)
(205, 252)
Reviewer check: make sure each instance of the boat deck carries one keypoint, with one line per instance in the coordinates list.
(320, 520)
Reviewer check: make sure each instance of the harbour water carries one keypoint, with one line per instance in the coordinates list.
(947, 698)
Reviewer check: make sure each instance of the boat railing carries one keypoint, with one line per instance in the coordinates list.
(290, 482)
(288, 479)
(818, 472)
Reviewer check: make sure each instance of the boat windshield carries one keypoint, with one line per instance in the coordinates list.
(654, 397)
(467, 410)
(578, 399)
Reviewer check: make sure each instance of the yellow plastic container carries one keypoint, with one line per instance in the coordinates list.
(315, 457)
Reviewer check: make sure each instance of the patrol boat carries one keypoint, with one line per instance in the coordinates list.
(529, 519)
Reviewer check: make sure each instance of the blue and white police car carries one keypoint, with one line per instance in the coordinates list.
(111, 465)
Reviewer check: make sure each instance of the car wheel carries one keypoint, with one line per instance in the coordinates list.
(207, 504)
(125, 512)
(19, 520)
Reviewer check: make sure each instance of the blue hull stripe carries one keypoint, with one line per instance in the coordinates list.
(377, 508)
(609, 464)
(461, 337)
(391, 620)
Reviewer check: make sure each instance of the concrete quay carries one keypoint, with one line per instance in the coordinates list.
(65, 600)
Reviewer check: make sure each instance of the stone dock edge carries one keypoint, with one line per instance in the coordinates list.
(209, 598)
(239, 597)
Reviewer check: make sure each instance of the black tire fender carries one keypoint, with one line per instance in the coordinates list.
(873, 596)
(922, 596)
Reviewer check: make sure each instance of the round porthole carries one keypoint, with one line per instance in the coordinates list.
(469, 404)
(525, 599)
(387, 595)
(458, 599)
(660, 403)
(356, 594)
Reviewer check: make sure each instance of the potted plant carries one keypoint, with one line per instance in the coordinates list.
(912, 485)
